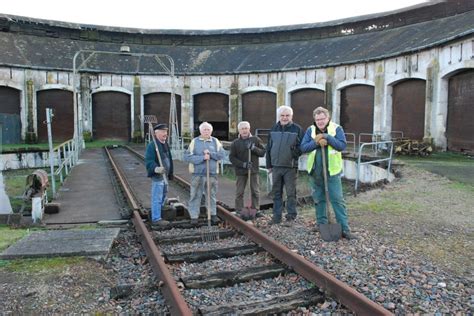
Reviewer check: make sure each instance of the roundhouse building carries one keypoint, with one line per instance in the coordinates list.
(409, 70)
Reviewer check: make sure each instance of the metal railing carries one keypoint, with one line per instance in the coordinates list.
(387, 144)
(353, 141)
(66, 155)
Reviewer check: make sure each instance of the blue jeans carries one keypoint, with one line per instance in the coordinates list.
(158, 196)
(336, 197)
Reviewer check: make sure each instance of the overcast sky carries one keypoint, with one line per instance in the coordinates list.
(198, 14)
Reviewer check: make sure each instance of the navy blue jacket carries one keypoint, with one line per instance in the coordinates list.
(152, 161)
(283, 148)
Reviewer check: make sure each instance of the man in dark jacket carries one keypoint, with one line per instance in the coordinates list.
(160, 170)
(283, 151)
(240, 149)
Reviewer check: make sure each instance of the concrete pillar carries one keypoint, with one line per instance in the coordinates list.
(281, 90)
(379, 99)
(31, 136)
(86, 103)
(186, 112)
(432, 74)
(234, 109)
(329, 89)
(138, 126)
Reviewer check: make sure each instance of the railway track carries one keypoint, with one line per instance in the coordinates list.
(193, 272)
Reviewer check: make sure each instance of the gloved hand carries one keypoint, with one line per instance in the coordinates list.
(323, 142)
(170, 177)
(319, 137)
(248, 165)
(250, 145)
(159, 170)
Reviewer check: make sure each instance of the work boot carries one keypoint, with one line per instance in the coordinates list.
(214, 220)
(348, 235)
(274, 221)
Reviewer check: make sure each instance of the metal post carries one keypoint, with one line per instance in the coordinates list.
(60, 169)
(49, 116)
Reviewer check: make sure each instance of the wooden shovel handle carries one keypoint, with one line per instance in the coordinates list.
(326, 191)
(208, 195)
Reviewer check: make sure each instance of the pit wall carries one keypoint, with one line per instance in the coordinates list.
(28, 160)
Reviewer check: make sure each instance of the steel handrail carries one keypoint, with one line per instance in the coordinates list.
(359, 162)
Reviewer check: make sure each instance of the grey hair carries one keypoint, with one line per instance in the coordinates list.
(241, 124)
(321, 110)
(205, 124)
(284, 108)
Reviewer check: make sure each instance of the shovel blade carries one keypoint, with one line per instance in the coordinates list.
(330, 232)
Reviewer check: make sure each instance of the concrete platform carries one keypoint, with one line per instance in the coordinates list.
(63, 243)
(87, 195)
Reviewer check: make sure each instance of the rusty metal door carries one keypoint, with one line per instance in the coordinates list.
(303, 103)
(460, 123)
(111, 115)
(158, 104)
(62, 125)
(408, 108)
(259, 109)
(214, 109)
(10, 115)
(357, 109)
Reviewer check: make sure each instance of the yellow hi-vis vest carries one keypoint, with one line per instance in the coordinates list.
(335, 161)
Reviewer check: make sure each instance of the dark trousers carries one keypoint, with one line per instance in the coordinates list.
(286, 177)
(240, 191)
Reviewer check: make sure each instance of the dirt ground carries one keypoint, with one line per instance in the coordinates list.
(429, 215)
(424, 212)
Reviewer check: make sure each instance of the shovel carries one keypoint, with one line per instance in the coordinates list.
(209, 233)
(329, 231)
(248, 213)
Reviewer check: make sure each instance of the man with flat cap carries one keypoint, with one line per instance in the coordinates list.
(159, 169)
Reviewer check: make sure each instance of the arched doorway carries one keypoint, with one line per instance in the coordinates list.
(10, 115)
(111, 115)
(259, 109)
(214, 109)
(357, 109)
(62, 125)
(408, 108)
(303, 103)
(158, 104)
(460, 122)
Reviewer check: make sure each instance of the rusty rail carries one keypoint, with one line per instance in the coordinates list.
(175, 300)
(346, 295)
(349, 297)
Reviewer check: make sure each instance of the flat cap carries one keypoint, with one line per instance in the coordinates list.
(160, 126)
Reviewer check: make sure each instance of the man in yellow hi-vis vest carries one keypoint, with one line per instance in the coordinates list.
(326, 135)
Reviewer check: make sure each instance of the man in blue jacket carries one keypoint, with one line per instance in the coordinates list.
(283, 151)
(326, 135)
(159, 173)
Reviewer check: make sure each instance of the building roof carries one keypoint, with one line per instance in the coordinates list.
(50, 45)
